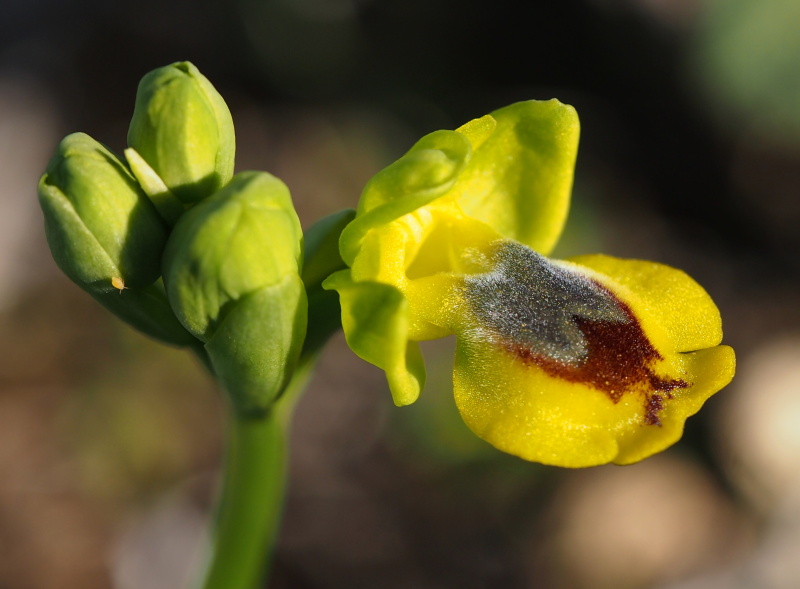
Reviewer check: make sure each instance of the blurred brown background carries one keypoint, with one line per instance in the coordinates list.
(110, 445)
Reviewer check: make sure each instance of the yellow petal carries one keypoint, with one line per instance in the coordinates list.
(664, 296)
(375, 324)
(521, 409)
(519, 178)
(422, 254)
(708, 371)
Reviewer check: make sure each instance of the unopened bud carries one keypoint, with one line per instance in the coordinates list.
(106, 235)
(100, 226)
(183, 129)
(232, 272)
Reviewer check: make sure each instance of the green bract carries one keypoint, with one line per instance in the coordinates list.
(105, 234)
(322, 258)
(183, 130)
(232, 272)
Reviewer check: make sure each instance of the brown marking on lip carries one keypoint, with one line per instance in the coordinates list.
(654, 403)
(618, 360)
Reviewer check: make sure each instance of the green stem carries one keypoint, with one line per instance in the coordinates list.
(250, 506)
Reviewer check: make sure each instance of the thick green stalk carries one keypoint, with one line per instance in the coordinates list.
(251, 502)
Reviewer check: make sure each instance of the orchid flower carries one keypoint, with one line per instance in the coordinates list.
(573, 362)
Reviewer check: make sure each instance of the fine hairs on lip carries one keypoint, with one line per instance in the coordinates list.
(534, 303)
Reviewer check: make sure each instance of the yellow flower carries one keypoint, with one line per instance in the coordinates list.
(571, 363)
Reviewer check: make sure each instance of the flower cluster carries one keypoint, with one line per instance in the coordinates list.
(174, 243)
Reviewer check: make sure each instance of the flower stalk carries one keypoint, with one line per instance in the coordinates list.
(252, 494)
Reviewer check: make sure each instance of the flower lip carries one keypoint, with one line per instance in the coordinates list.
(619, 360)
(568, 325)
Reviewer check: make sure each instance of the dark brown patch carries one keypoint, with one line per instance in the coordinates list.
(619, 360)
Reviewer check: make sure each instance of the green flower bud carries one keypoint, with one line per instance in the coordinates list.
(105, 235)
(182, 128)
(100, 225)
(232, 272)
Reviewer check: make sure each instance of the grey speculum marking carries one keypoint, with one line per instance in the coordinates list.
(530, 302)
